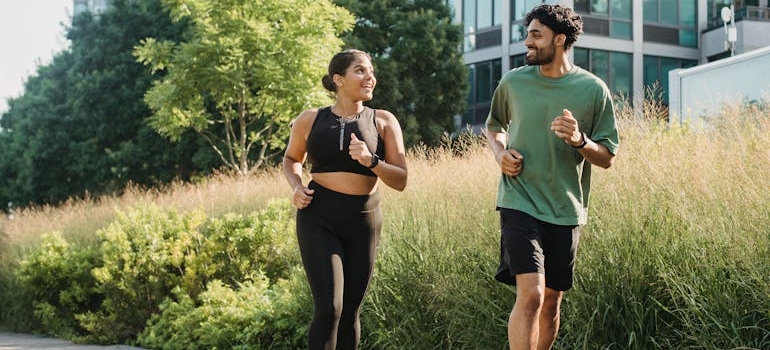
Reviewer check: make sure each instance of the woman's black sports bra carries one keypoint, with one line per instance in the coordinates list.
(329, 139)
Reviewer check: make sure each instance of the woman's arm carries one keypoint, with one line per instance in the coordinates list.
(391, 170)
(294, 157)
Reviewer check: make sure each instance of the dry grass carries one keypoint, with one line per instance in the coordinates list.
(704, 175)
(79, 220)
(658, 161)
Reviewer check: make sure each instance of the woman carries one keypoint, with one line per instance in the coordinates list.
(349, 147)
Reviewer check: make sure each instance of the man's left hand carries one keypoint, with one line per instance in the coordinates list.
(566, 128)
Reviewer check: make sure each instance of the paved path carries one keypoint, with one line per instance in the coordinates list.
(15, 341)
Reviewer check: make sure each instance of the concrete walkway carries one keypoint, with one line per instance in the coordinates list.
(15, 341)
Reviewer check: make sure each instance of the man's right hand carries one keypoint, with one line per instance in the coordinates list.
(510, 161)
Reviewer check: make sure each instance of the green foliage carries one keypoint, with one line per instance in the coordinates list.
(79, 127)
(413, 42)
(55, 278)
(238, 247)
(146, 253)
(107, 293)
(246, 70)
(256, 314)
(669, 260)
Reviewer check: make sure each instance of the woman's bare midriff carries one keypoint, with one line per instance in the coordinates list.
(347, 183)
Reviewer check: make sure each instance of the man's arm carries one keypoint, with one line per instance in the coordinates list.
(510, 161)
(566, 128)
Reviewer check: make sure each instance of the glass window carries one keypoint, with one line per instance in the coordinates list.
(599, 6)
(650, 70)
(469, 25)
(518, 10)
(471, 79)
(621, 9)
(522, 7)
(614, 68)
(672, 22)
(688, 38)
(518, 61)
(518, 32)
(687, 13)
(484, 82)
(581, 58)
(484, 77)
(484, 18)
(581, 6)
(469, 16)
(620, 29)
(622, 73)
(656, 74)
(669, 12)
(498, 12)
(650, 9)
(606, 17)
(666, 64)
(497, 74)
(600, 64)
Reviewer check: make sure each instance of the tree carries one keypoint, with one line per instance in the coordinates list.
(417, 55)
(248, 68)
(79, 127)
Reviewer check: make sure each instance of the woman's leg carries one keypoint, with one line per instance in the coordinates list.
(358, 263)
(322, 258)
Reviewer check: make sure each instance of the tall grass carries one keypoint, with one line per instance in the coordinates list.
(676, 253)
(80, 219)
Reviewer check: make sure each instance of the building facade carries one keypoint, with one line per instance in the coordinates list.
(95, 6)
(630, 44)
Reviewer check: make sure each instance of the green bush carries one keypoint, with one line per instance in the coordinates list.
(147, 253)
(56, 285)
(240, 247)
(106, 293)
(257, 314)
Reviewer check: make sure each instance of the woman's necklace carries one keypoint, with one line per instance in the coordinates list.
(343, 121)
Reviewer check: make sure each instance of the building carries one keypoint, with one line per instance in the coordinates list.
(95, 6)
(630, 44)
(696, 93)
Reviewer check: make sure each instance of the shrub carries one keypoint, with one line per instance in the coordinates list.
(56, 282)
(257, 314)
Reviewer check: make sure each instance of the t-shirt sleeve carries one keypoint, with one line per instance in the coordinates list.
(605, 128)
(499, 112)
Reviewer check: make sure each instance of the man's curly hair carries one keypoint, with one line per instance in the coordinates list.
(560, 19)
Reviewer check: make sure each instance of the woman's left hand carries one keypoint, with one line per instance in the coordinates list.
(359, 151)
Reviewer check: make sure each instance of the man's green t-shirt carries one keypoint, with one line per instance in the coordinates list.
(554, 183)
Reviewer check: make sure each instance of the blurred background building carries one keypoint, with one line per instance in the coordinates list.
(630, 44)
(95, 6)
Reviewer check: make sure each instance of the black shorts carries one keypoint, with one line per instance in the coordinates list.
(530, 245)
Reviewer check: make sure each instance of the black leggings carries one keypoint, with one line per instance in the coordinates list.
(338, 236)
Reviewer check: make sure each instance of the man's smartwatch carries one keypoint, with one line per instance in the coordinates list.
(375, 161)
(583, 138)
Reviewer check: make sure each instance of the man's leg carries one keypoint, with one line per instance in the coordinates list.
(523, 324)
(549, 319)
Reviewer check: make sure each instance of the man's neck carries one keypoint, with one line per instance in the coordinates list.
(558, 68)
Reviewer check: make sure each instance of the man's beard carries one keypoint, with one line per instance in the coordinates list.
(542, 56)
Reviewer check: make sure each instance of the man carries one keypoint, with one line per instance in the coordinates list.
(548, 123)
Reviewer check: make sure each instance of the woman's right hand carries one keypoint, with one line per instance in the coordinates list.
(302, 196)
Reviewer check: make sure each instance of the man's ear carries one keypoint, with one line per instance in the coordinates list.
(561, 39)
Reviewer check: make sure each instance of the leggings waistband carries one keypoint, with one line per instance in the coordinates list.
(342, 201)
